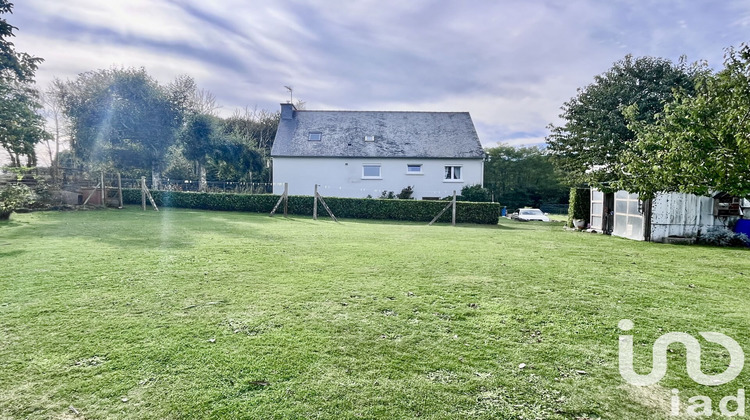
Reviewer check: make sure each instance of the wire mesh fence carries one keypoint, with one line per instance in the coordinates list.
(554, 208)
(211, 186)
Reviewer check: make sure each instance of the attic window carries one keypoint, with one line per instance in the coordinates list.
(369, 138)
(315, 136)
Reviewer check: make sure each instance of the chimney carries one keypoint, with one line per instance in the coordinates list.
(287, 111)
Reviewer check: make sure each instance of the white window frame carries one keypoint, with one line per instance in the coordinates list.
(419, 172)
(372, 165)
(314, 133)
(453, 172)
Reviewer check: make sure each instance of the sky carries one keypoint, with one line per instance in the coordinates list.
(510, 63)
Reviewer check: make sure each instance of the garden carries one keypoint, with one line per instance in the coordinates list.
(204, 314)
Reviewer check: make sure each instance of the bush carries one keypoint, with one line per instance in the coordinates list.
(354, 208)
(13, 197)
(405, 194)
(719, 236)
(475, 193)
(580, 205)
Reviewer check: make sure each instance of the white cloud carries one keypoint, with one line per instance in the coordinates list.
(511, 64)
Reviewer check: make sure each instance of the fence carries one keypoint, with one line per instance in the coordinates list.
(212, 186)
(554, 208)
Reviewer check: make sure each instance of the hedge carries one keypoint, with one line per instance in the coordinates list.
(580, 205)
(353, 208)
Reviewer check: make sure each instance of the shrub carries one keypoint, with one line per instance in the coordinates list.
(406, 193)
(13, 197)
(354, 208)
(719, 236)
(580, 205)
(475, 193)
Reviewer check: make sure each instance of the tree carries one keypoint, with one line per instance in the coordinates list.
(589, 145)
(522, 176)
(21, 127)
(53, 113)
(700, 143)
(123, 118)
(255, 129)
(236, 157)
(13, 197)
(199, 140)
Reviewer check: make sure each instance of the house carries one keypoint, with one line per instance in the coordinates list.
(667, 215)
(363, 153)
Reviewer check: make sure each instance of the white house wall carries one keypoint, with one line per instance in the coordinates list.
(342, 177)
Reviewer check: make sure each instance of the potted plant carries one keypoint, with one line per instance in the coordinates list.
(578, 212)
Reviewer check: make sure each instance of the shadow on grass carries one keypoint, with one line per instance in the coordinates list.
(12, 223)
(11, 253)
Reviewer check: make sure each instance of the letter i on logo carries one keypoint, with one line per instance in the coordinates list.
(626, 360)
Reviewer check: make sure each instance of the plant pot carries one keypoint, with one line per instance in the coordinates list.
(579, 224)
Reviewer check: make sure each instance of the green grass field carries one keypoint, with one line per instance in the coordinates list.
(192, 314)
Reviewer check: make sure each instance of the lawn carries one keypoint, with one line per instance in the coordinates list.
(193, 314)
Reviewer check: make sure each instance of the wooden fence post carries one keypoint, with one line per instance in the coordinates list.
(286, 199)
(454, 208)
(315, 203)
(119, 190)
(143, 193)
(104, 189)
(325, 206)
(452, 204)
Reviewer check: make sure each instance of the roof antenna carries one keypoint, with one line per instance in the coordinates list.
(291, 93)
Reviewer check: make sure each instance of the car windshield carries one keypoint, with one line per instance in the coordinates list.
(531, 212)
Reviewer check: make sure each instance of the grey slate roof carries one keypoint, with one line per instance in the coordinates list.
(397, 135)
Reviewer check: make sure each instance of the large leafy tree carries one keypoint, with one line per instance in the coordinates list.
(253, 132)
(21, 126)
(700, 143)
(522, 176)
(237, 158)
(217, 148)
(254, 126)
(589, 145)
(199, 138)
(122, 117)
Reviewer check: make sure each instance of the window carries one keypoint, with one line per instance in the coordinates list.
(413, 169)
(315, 136)
(369, 138)
(371, 172)
(452, 173)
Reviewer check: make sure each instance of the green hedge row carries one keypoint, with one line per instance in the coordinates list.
(580, 205)
(353, 208)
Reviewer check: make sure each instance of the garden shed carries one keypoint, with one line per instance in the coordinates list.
(667, 215)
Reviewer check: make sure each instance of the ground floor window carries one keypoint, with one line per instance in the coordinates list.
(453, 173)
(371, 172)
